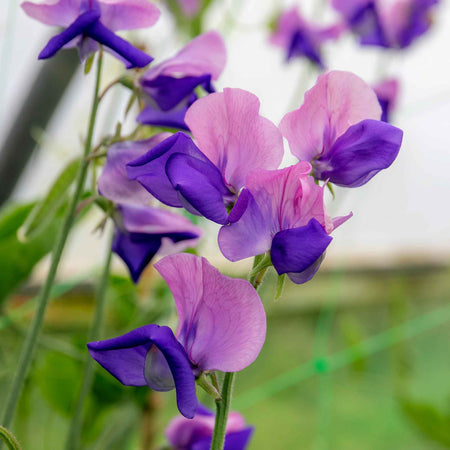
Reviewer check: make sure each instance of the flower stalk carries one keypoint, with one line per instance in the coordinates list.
(32, 336)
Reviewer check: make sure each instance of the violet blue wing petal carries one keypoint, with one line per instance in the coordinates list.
(359, 154)
(222, 323)
(206, 54)
(296, 249)
(302, 45)
(307, 274)
(230, 132)
(150, 169)
(200, 186)
(114, 183)
(366, 23)
(248, 233)
(134, 56)
(173, 119)
(168, 91)
(238, 440)
(128, 14)
(337, 101)
(79, 26)
(60, 13)
(125, 357)
(135, 250)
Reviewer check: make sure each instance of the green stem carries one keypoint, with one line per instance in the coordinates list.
(31, 339)
(73, 439)
(223, 405)
(9, 439)
(222, 409)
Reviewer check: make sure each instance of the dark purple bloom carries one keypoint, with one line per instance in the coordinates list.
(206, 177)
(281, 211)
(338, 130)
(300, 38)
(387, 94)
(196, 434)
(389, 24)
(141, 230)
(88, 23)
(170, 87)
(222, 326)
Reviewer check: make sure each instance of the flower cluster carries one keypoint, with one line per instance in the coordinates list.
(224, 165)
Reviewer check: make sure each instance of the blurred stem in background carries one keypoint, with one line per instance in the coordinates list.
(73, 440)
(31, 339)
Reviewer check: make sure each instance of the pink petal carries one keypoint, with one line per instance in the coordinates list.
(231, 133)
(206, 54)
(222, 323)
(337, 101)
(128, 14)
(388, 89)
(53, 12)
(287, 25)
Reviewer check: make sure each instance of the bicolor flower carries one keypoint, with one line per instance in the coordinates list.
(300, 38)
(281, 211)
(222, 326)
(205, 177)
(387, 94)
(384, 23)
(171, 87)
(88, 23)
(141, 230)
(196, 433)
(338, 130)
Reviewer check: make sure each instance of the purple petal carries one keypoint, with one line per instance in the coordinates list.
(302, 45)
(204, 55)
(79, 26)
(248, 233)
(337, 101)
(296, 250)
(230, 132)
(150, 169)
(114, 183)
(145, 230)
(133, 55)
(222, 323)
(60, 13)
(168, 91)
(360, 153)
(152, 115)
(128, 14)
(125, 358)
(200, 185)
(387, 92)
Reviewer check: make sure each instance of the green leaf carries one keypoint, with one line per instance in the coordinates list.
(88, 65)
(280, 286)
(45, 211)
(17, 259)
(429, 420)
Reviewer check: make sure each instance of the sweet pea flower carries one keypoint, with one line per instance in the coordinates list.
(387, 23)
(281, 211)
(338, 130)
(196, 433)
(170, 87)
(387, 94)
(141, 230)
(222, 326)
(301, 38)
(205, 177)
(88, 23)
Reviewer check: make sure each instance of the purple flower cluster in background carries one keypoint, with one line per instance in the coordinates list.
(384, 23)
(300, 38)
(196, 434)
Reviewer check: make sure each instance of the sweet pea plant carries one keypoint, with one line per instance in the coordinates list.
(211, 154)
